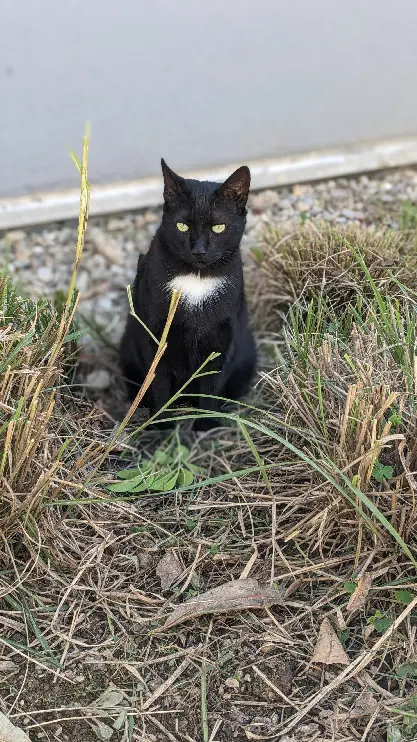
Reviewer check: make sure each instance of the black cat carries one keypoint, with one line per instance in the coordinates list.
(196, 249)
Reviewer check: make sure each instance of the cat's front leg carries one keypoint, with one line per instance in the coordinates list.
(209, 390)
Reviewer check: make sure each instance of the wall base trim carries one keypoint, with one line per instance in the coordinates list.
(40, 208)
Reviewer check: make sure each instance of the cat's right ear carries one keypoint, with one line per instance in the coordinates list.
(173, 184)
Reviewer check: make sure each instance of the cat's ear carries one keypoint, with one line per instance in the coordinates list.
(236, 187)
(174, 186)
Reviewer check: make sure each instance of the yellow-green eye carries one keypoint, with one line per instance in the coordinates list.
(217, 228)
(182, 227)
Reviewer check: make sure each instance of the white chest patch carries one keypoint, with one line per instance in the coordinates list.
(197, 289)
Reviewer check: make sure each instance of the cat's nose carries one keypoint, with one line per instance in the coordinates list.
(199, 248)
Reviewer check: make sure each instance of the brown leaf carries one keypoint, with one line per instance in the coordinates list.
(365, 705)
(10, 733)
(358, 598)
(328, 649)
(236, 595)
(168, 570)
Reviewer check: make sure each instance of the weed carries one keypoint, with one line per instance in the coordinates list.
(169, 468)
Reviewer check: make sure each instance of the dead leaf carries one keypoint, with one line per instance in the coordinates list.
(10, 733)
(103, 731)
(365, 705)
(144, 598)
(110, 698)
(328, 649)
(7, 666)
(236, 595)
(358, 598)
(168, 570)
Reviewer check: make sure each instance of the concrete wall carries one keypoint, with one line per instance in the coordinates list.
(201, 82)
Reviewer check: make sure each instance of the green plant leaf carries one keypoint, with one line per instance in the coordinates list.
(134, 484)
(395, 419)
(382, 624)
(404, 597)
(127, 485)
(381, 472)
(195, 469)
(408, 670)
(394, 733)
(161, 457)
(350, 587)
(128, 473)
(146, 483)
(183, 452)
(164, 482)
(185, 478)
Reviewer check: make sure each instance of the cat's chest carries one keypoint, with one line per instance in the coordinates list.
(198, 291)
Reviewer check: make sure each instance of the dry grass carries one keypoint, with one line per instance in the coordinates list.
(318, 258)
(294, 494)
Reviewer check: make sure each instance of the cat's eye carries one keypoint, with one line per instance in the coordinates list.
(217, 228)
(182, 227)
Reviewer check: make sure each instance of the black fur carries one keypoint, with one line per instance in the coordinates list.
(218, 324)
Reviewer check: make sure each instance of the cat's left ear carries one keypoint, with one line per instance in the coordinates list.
(173, 184)
(236, 187)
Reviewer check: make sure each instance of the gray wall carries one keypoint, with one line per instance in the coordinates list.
(201, 82)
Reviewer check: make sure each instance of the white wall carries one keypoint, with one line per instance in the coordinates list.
(201, 82)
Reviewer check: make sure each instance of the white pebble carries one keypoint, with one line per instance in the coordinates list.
(99, 379)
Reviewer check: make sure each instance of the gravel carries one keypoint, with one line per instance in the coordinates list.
(41, 258)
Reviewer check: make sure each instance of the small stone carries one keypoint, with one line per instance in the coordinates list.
(338, 193)
(150, 216)
(37, 250)
(300, 190)
(104, 304)
(232, 683)
(114, 225)
(350, 214)
(97, 265)
(264, 200)
(251, 221)
(129, 246)
(22, 253)
(99, 380)
(144, 559)
(45, 274)
(15, 236)
(83, 279)
(106, 245)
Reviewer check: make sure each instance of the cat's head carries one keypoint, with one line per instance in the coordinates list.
(203, 222)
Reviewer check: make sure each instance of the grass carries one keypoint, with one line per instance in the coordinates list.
(309, 488)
